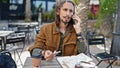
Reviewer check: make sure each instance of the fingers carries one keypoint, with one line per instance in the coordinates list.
(48, 55)
(49, 58)
(76, 19)
(77, 23)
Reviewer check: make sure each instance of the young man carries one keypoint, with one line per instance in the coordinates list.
(61, 35)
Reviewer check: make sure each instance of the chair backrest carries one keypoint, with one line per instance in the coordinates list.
(16, 37)
(95, 39)
(11, 27)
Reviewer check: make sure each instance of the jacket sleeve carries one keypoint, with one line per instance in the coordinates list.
(82, 48)
(39, 41)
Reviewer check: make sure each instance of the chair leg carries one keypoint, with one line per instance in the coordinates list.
(111, 63)
(89, 54)
(14, 52)
(14, 55)
(19, 57)
(19, 54)
(88, 51)
(99, 63)
(22, 48)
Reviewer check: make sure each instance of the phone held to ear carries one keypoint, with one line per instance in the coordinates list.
(73, 21)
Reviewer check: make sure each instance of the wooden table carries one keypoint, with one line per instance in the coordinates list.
(44, 64)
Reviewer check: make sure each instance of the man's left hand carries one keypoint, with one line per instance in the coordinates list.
(77, 23)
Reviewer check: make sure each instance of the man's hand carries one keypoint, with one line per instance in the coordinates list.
(77, 23)
(48, 55)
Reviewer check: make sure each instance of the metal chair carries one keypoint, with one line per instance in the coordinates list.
(0, 43)
(12, 27)
(98, 40)
(27, 30)
(14, 39)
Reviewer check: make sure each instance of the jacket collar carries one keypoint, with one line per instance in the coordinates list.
(56, 29)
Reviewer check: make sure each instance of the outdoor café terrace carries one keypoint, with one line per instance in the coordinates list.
(25, 61)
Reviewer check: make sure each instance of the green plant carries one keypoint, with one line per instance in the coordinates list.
(36, 10)
(76, 2)
(107, 9)
(91, 15)
(4, 1)
(48, 16)
(52, 14)
(39, 7)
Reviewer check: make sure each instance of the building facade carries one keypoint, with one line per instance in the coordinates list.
(15, 9)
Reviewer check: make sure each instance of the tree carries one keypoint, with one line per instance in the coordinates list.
(116, 36)
(105, 17)
(28, 11)
(82, 7)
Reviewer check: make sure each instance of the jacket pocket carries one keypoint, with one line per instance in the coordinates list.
(50, 47)
(69, 48)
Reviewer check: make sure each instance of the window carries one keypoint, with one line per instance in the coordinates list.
(16, 1)
(50, 4)
(37, 3)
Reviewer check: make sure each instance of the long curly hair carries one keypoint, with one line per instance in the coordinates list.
(58, 6)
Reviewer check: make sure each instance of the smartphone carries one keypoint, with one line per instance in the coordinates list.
(72, 21)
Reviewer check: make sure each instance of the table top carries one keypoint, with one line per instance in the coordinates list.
(44, 64)
(24, 23)
(5, 33)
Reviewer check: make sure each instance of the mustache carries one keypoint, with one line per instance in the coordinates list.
(66, 17)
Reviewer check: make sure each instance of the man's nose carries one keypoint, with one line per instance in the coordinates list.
(68, 13)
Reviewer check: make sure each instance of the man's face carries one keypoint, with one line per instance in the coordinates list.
(66, 12)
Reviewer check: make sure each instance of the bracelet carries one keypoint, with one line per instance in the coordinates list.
(78, 34)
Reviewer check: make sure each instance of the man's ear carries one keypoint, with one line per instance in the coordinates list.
(58, 11)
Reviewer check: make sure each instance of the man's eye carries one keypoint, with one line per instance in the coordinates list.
(65, 9)
(71, 11)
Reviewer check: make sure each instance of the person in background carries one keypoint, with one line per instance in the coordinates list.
(61, 35)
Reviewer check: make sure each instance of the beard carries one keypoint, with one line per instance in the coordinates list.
(65, 22)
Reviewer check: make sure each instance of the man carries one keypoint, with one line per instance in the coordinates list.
(61, 35)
